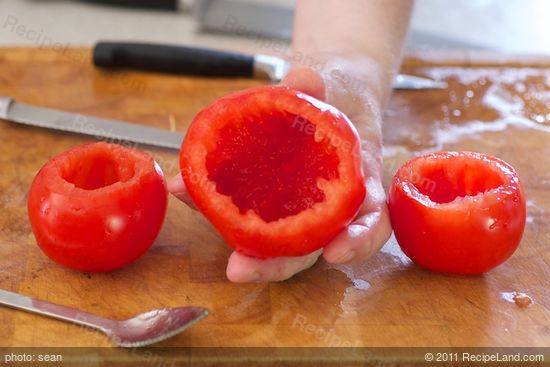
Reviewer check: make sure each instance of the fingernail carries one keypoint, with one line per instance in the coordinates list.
(255, 276)
(346, 257)
(175, 185)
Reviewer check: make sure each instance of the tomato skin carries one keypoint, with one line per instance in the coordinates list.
(294, 235)
(471, 234)
(100, 229)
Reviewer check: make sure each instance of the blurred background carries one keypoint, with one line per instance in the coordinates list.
(519, 26)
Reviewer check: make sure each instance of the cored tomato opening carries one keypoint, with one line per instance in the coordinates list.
(457, 212)
(271, 158)
(97, 207)
(93, 169)
(443, 181)
(277, 172)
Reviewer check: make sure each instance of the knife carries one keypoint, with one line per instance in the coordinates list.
(213, 63)
(144, 4)
(112, 130)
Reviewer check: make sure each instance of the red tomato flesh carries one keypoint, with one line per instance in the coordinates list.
(457, 212)
(263, 155)
(97, 207)
(277, 172)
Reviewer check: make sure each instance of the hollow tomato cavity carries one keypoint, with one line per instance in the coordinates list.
(271, 166)
(444, 181)
(97, 166)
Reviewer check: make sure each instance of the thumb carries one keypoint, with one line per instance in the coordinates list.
(306, 80)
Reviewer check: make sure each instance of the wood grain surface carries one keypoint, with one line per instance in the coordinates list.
(500, 109)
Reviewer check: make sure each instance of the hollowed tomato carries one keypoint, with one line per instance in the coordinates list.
(457, 212)
(277, 172)
(97, 207)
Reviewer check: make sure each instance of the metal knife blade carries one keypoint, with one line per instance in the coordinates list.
(276, 68)
(116, 131)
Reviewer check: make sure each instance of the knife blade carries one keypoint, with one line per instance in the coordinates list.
(214, 63)
(114, 130)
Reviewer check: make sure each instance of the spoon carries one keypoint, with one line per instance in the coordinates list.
(143, 329)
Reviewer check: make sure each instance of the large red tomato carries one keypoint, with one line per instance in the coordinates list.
(277, 172)
(97, 207)
(457, 212)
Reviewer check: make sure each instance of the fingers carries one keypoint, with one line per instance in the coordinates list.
(244, 269)
(367, 233)
(361, 239)
(176, 186)
(306, 80)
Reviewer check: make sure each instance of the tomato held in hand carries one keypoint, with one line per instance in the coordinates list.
(459, 212)
(97, 207)
(277, 172)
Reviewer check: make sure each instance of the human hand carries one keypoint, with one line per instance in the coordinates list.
(344, 83)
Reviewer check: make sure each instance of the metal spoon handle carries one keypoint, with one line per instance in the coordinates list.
(54, 310)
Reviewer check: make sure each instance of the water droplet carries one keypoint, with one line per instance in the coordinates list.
(456, 113)
(520, 87)
(491, 223)
(469, 93)
(361, 284)
(539, 118)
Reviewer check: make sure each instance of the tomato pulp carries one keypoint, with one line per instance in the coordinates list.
(277, 172)
(457, 212)
(97, 207)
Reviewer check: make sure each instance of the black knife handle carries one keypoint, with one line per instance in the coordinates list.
(172, 59)
(147, 4)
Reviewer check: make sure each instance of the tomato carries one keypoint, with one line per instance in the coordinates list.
(97, 207)
(457, 212)
(277, 172)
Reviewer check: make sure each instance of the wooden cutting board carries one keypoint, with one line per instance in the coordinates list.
(493, 105)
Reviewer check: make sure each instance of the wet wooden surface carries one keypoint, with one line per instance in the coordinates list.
(492, 108)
